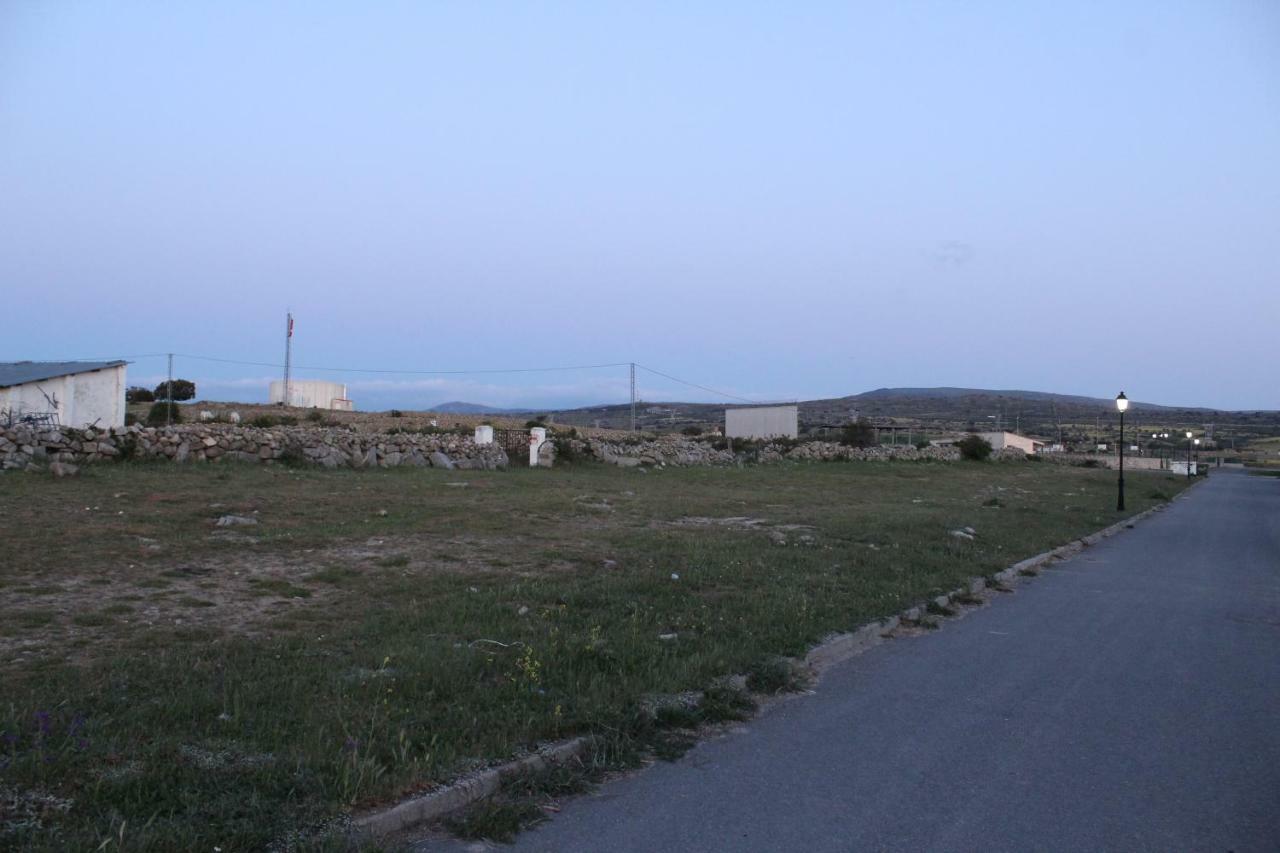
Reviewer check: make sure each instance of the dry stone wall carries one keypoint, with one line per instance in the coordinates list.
(24, 447)
(681, 451)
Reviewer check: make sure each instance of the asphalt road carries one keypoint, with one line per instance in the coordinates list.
(1128, 699)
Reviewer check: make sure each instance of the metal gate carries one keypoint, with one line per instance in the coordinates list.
(516, 443)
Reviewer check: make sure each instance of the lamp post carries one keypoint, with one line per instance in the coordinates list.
(1188, 455)
(1122, 403)
(1197, 444)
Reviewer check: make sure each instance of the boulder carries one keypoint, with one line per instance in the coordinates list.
(440, 460)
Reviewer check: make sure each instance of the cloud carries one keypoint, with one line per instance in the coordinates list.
(952, 253)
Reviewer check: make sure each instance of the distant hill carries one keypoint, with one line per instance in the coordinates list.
(457, 407)
(943, 410)
(948, 393)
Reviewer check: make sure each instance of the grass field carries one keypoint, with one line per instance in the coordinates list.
(171, 684)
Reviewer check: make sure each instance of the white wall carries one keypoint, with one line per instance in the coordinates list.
(84, 399)
(311, 393)
(999, 440)
(762, 422)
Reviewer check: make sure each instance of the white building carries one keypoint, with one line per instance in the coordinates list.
(762, 422)
(312, 394)
(1001, 440)
(70, 393)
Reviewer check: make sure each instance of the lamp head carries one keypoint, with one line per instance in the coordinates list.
(1197, 441)
(1122, 402)
(1188, 433)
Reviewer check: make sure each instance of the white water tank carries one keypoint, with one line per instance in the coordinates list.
(311, 394)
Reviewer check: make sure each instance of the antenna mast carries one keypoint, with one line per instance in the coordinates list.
(288, 353)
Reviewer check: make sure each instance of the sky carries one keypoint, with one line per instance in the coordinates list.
(773, 201)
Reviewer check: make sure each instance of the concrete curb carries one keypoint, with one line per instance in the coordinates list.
(835, 649)
(841, 647)
(471, 789)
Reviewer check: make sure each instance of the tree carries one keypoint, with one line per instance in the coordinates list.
(139, 395)
(860, 433)
(162, 413)
(182, 390)
(974, 447)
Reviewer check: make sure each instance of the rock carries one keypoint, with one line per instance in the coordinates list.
(667, 638)
(777, 537)
(943, 603)
(63, 469)
(912, 614)
(960, 534)
(609, 564)
(523, 611)
(235, 521)
(441, 460)
(977, 585)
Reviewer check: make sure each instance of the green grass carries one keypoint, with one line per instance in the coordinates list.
(337, 658)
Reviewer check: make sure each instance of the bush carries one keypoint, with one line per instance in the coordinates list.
(974, 447)
(183, 389)
(130, 419)
(922, 444)
(315, 416)
(138, 394)
(396, 413)
(860, 433)
(160, 413)
(692, 430)
(268, 421)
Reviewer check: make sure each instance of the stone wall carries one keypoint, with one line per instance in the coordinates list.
(23, 447)
(681, 451)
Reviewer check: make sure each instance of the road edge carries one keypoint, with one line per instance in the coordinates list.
(835, 649)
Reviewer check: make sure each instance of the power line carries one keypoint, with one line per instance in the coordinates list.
(695, 385)
(404, 372)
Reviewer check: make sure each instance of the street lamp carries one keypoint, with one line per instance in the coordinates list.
(1188, 455)
(1122, 403)
(1197, 444)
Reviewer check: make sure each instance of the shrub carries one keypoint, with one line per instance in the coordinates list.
(268, 421)
(860, 433)
(922, 444)
(162, 412)
(183, 389)
(137, 394)
(692, 430)
(396, 413)
(566, 452)
(130, 419)
(974, 447)
(315, 416)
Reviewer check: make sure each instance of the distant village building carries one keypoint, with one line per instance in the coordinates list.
(69, 393)
(762, 422)
(312, 394)
(1001, 440)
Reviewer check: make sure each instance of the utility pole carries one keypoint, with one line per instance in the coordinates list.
(288, 352)
(168, 392)
(633, 396)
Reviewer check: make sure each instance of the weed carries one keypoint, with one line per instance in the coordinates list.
(776, 675)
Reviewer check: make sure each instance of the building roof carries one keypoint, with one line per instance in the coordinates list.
(21, 372)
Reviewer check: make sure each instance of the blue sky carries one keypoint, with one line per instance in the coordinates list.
(774, 200)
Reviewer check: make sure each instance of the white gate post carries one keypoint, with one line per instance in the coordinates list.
(537, 437)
